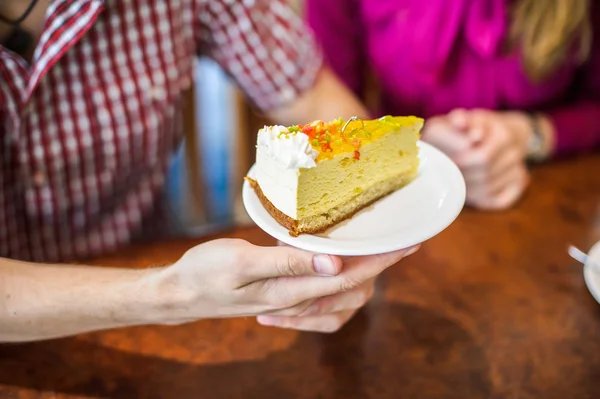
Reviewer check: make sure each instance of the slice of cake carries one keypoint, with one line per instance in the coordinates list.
(311, 177)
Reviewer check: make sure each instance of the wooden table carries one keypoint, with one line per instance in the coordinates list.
(491, 308)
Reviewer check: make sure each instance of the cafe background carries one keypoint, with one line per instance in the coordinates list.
(203, 188)
(205, 180)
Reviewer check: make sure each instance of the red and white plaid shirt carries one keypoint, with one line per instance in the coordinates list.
(86, 130)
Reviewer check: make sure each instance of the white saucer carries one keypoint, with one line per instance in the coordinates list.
(407, 217)
(591, 274)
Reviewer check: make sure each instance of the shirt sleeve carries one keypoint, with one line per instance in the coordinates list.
(337, 27)
(576, 124)
(263, 45)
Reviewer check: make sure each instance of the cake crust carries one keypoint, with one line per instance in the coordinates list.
(282, 218)
(292, 224)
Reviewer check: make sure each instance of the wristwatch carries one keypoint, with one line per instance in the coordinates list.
(536, 148)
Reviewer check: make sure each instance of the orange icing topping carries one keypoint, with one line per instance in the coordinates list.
(329, 139)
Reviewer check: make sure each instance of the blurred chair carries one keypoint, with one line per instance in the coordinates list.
(220, 129)
(196, 185)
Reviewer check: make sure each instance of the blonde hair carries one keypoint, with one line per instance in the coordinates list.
(547, 31)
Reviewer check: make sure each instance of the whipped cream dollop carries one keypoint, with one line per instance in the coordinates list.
(291, 149)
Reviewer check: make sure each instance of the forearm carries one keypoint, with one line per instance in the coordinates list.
(48, 301)
(328, 99)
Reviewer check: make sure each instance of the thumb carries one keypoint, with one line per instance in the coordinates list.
(285, 261)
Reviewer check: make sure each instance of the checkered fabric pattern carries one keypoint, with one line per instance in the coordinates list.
(87, 129)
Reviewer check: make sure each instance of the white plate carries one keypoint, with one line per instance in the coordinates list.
(591, 274)
(407, 217)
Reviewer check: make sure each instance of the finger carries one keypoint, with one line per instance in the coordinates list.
(349, 300)
(286, 261)
(459, 118)
(327, 323)
(502, 166)
(511, 192)
(356, 272)
(511, 177)
(445, 137)
(485, 191)
(353, 299)
(476, 135)
(283, 244)
(469, 123)
(294, 310)
(482, 155)
(501, 193)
